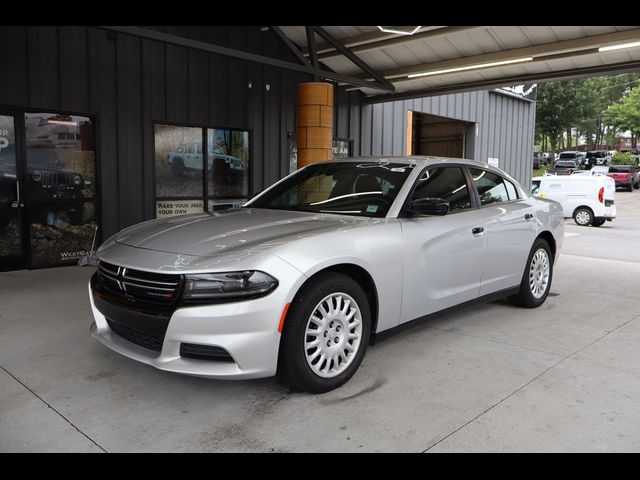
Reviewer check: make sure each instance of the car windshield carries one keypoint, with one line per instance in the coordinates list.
(619, 169)
(567, 156)
(348, 188)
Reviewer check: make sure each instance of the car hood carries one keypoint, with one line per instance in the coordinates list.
(213, 233)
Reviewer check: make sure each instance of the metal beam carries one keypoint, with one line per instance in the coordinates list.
(568, 47)
(296, 51)
(252, 57)
(569, 74)
(400, 40)
(311, 46)
(352, 56)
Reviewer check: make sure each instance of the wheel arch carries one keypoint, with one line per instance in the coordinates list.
(549, 238)
(363, 278)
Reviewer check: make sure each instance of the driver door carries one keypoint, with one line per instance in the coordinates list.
(442, 254)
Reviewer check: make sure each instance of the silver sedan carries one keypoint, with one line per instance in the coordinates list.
(302, 278)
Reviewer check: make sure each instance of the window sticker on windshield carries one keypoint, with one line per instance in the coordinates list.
(398, 169)
(372, 208)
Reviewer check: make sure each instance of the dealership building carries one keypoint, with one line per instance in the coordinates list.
(105, 127)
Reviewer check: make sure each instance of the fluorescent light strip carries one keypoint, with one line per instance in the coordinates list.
(619, 47)
(471, 67)
(400, 32)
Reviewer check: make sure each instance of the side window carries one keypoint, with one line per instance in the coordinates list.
(511, 190)
(535, 187)
(490, 186)
(447, 183)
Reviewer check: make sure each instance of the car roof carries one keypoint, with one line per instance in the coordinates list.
(419, 161)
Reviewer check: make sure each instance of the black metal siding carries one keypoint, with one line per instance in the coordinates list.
(126, 83)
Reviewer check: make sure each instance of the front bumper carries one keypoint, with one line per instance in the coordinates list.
(247, 330)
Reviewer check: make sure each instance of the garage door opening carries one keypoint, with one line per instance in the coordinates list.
(440, 136)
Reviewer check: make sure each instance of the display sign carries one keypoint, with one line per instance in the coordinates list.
(169, 208)
(494, 162)
(342, 148)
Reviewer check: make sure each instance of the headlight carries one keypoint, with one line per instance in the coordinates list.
(77, 180)
(227, 286)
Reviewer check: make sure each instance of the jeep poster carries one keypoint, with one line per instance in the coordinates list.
(60, 187)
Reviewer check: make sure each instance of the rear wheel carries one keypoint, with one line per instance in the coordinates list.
(325, 334)
(536, 279)
(598, 222)
(583, 216)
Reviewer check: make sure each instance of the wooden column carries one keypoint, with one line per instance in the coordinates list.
(315, 122)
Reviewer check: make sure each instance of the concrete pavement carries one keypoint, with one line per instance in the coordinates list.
(564, 377)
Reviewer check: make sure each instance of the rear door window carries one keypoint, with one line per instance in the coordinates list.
(490, 186)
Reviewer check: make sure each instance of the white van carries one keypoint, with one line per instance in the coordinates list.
(589, 200)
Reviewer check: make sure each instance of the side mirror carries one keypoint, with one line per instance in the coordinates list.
(429, 206)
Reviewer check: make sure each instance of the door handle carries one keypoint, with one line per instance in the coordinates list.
(528, 216)
(478, 231)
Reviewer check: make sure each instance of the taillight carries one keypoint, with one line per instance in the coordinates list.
(601, 195)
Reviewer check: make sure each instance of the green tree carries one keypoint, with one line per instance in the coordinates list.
(625, 114)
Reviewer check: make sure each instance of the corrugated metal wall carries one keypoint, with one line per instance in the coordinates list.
(504, 127)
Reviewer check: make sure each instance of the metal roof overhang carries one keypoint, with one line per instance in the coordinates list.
(446, 59)
(463, 58)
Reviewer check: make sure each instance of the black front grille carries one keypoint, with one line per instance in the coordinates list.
(150, 340)
(137, 285)
(204, 352)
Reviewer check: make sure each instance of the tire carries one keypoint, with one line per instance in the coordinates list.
(598, 222)
(525, 297)
(298, 365)
(630, 187)
(177, 167)
(583, 216)
(636, 185)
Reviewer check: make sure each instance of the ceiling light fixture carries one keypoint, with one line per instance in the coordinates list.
(400, 30)
(619, 47)
(471, 67)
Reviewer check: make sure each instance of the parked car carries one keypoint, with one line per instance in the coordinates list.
(625, 176)
(187, 157)
(537, 161)
(597, 157)
(588, 199)
(570, 156)
(541, 158)
(563, 167)
(306, 274)
(546, 156)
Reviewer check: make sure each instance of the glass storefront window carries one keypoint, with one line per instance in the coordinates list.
(227, 174)
(61, 187)
(179, 161)
(183, 185)
(9, 219)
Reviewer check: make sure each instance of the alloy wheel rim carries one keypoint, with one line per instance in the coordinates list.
(583, 217)
(333, 335)
(539, 272)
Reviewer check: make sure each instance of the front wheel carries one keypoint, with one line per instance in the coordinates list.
(583, 216)
(536, 280)
(325, 334)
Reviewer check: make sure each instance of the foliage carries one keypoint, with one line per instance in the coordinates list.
(625, 114)
(623, 158)
(582, 106)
